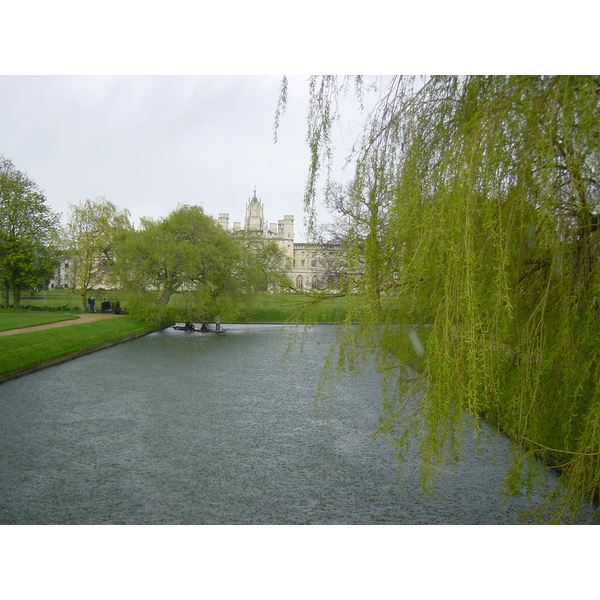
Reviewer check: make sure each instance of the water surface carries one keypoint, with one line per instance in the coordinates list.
(184, 428)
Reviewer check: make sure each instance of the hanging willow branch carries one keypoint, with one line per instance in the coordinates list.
(474, 208)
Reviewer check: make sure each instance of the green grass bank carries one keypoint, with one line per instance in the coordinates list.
(26, 352)
(267, 308)
(16, 319)
(280, 308)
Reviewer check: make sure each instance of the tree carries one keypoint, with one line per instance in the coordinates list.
(189, 253)
(263, 261)
(88, 242)
(479, 206)
(27, 232)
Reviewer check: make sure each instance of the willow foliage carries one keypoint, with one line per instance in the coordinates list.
(474, 211)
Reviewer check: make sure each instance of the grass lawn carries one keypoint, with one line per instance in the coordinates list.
(312, 309)
(274, 308)
(27, 350)
(10, 319)
(267, 308)
(279, 308)
(66, 299)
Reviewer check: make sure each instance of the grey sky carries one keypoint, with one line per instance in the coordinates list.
(147, 143)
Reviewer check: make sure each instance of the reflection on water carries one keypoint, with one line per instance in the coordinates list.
(192, 428)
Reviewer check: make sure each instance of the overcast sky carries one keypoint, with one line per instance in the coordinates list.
(148, 143)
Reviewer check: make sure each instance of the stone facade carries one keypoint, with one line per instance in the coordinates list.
(61, 280)
(307, 263)
(281, 232)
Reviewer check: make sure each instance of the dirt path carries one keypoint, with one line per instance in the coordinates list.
(85, 318)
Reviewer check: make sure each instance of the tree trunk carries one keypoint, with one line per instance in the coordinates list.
(165, 297)
(17, 296)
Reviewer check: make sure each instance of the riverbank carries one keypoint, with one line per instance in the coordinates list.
(29, 349)
(69, 321)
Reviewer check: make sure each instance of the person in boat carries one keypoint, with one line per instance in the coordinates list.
(189, 326)
(204, 327)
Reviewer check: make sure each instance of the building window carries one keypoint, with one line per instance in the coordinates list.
(299, 282)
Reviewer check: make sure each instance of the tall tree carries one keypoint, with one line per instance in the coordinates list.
(88, 242)
(27, 232)
(189, 253)
(479, 207)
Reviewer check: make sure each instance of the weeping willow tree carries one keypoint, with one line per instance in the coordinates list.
(473, 212)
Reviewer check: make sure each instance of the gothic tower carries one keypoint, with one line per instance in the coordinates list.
(255, 218)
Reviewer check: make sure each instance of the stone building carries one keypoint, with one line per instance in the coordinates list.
(281, 232)
(308, 263)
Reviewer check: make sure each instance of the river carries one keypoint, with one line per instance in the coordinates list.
(186, 428)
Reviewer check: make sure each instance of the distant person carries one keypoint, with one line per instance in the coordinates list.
(189, 326)
(204, 327)
(218, 323)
